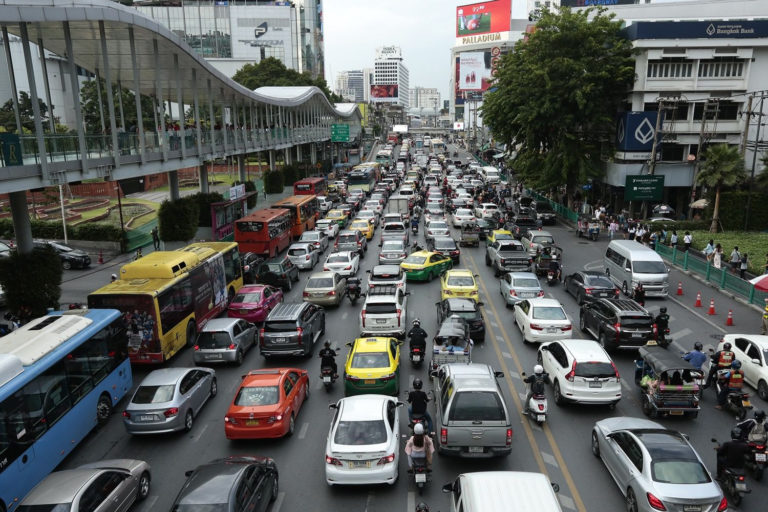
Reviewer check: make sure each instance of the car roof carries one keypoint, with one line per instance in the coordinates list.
(585, 350)
(348, 254)
(252, 288)
(211, 483)
(286, 311)
(665, 444)
(164, 376)
(545, 303)
(539, 232)
(387, 269)
(363, 407)
(322, 274)
(60, 486)
(371, 344)
(758, 339)
(625, 306)
(523, 275)
(459, 272)
(219, 324)
(457, 305)
(265, 376)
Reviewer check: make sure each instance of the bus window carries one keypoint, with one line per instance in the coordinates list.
(175, 304)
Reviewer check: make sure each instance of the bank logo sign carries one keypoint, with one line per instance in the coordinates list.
(634, 131)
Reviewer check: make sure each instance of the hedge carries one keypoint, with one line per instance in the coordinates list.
(290, 175)
(178, 219)
(250, 186)
(733, 209)
(273, 182)
(204, 206)
(31, 282)
(92, 231)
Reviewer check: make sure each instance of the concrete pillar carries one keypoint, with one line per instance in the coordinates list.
(22, 227)
(313, 153)
(12, 79)
(241, 168)
(204, 178)
(287, 156)
(271, 159)
(110, 96)
(173, 184)
(298, 152)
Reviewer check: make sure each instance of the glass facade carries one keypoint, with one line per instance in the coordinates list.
(205, 26)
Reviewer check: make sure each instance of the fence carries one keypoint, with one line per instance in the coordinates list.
(718, 276)
(139, 236)
(560, 209)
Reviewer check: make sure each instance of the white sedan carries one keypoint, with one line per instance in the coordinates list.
(363, 445)
(542, 320)
(752, 351)
(345, 263)
(486, 210)
(331, 228)
(462, 215)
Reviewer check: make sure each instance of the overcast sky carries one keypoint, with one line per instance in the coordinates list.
(424, 29)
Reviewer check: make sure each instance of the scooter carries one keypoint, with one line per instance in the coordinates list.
(353, 289)
(417, 356)
(737, 402)
(755, 460)
(733, 483)
(536, 408)
(327, 375)
(551, 277)
(415, 228)
(662, 337)
(421, 474)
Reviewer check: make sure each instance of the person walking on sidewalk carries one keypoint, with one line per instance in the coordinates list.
(717, 257)
(673, 239)
(687, 240)
(765, 319)
(612, 228)
(709, 250)
(156, 238)
(743, 266)
(735, 259)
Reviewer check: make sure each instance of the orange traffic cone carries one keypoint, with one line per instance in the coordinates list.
(679, 287)
(711, 307)
(698, 300)
(101, 257)
(729, 321)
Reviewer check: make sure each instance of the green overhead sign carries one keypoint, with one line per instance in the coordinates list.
(339, 133)
(644, 187)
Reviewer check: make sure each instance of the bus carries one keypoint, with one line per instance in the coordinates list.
(384, 157)
(166, 297)
(364, 177)
(303, 211)
(60, 376)
(315, 186)
(438, 146)
(266, 231)
(230, 252)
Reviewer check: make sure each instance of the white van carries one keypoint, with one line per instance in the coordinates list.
(490, 174)
(503, 491)
(629, 263)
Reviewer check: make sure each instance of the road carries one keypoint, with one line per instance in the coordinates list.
(561, 449)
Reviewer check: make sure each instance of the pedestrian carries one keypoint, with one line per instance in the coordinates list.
(265, 192)
(156, 238)
(612, 228)
(743, 266)
(717, 258)
(687, 240)
(639, 294)
(765, 319)
(735, 259)
(652, 240)
(709, 250)
(673, 239)
(631, 231)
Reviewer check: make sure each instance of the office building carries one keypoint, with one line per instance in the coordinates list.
(390, 78)
(350, 85)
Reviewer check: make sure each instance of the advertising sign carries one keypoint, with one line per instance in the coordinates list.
(11, 149)
(384, 92)
(474, 71)
(634, 131)
(483, 18)
(400, 128)
(587, 3)
(736, 29)
(272, 28)
(458, 126)
(644, 187)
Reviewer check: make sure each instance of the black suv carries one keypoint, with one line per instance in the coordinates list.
(279, 272)
(617, 323)
(468, 310)
(522, 224)
(292, 329)
(70, 258)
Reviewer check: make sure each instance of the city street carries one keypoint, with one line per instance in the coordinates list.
(560, 449)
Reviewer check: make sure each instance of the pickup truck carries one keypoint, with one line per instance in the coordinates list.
(507, 256)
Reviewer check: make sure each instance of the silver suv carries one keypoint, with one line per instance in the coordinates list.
(384, 312)
(537, 239)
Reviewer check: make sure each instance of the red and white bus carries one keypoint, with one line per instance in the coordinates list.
(266, 231)
(315, 186)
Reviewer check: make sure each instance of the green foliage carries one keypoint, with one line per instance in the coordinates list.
(178, 219)
(722, 166)
(89, 101)
(249, 187)
(272, 72)
(204, 206)
(31, 281)
(92, 231)
(557, 96)
(732, 210)
(8, 118)
(290, 175)
(273, 182)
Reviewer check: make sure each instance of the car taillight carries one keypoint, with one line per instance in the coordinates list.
(509, 437)
(126, 414)
(173, 411)
(386, 460)
(616, 292)
(300, 333)
(332, 460)
(399, 314)
(331, 293)
(232, 346)
(444, 435)
(403, 255)
(336, 245)
(360, 243)
(723, 505)
(588, 291)
(537, 327)
(541, 293)
(362, 317)
(569, 376)
(275, 418)
(230, 420)
(348, 267)
(305, 294)
(615, 372)
(655, 502)
(617, 328)
(196, 347)
(307, 257)
(326, 269)
(566, 328)
(261, 337)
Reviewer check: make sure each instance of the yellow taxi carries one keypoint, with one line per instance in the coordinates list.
(459, 283)
(363, 226)
(499, 234)
(338, 216)
(425, 265)
(373, 366)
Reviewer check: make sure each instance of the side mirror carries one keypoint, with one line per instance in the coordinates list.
(348, 344)
(481, 303)
(555, 487)
(757, 362)
(523, 374)
(368, 271)
(447, 488)
(433, 373)
(188, 473)
(498, 375)
(400, 404)
(476, 275)
(407, 293)
(333, 406)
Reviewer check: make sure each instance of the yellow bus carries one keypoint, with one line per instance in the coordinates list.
(167, 297)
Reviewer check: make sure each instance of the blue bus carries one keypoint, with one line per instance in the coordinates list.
(60, 376)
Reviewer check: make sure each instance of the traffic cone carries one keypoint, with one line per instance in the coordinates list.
(730, 318)
(101, 257)
(711, 307)
(679, 287)
(698, 300)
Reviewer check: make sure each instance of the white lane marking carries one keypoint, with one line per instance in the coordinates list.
(514, 375)
(566, 501)
(303, 431)
(278, 502)
(499, 339)
(345, 315)
(682, 333)
(149, 504)
(625, 385)
(594, 265)
(199, 434)
(369, 501)
(494, 324)
(548, 458)
(411, 505)
(507, 355)
(702, 317)
(522, 396)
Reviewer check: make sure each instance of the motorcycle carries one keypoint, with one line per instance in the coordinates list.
(354, 289)
(327, 375)
(737, 402)
(421, 474)
(536, 408)
(417, 356)
(551, 277)
(662, 337)
(415, 228)
(733, 483)
(755, 460)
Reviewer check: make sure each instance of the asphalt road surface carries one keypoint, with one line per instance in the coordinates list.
(561, 449)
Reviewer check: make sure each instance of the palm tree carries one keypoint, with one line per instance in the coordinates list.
(721, 165)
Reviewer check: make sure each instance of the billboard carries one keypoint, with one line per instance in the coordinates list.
(635, 131)
(588, 3)
(272, 31)
(483, 18)
(384, 92)
(644, 187)
(474, 71)
(400, 128)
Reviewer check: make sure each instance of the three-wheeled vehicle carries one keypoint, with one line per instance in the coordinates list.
(543, 258)
(588, 227)
(453, 343)
(668, 385)
(470, 234)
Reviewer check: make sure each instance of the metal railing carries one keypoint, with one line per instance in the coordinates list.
(560, 209)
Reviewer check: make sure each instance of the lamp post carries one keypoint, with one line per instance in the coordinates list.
(120, 209)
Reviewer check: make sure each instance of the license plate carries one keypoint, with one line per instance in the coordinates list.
(741, 486)
(147, 417)
(540, 417)
(381, 321)
(551, 330)
(675, 413)
(279, 340)
(326, 378)
(416, 359)
(213, 356)
(251, 423)
(475, 449)
(420, 478)
(355, 464)
(691, 508)
(760, 457)
(746, 403)
(369, 381)
(594, 384)
(637, 335)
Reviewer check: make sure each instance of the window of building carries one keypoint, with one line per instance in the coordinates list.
(670, 68)
(726, 111)
(723, 67)
(673, 152)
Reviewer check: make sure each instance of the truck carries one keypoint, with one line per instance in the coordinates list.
(507, 256)
(400, 204)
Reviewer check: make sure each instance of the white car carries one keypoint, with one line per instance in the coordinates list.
(580, 371)
(752, 351)
(363, 445)
(437, 228)
(382, 275)
(370, 216)
(462, 215)
(542, 320)
(374, 205)
(316, 237)
(385, 312)
(345, 263)
(486, 210)
(324, 204)
(329, 227)
(304, 255)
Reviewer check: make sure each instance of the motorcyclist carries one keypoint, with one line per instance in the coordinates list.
(423, 507)
(417, 337)
(732, 380)
(536, 382)
(328, 358)
(639, 294)
(732, 453)
(414, 223)
(696, 357)
(419, 446)
(554, 265)
(419, 400)
(721, 360)
(662, 324)
(754, 430)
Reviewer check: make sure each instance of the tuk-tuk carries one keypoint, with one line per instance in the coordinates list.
(588, 227)
(470, 234)
(453, 343)
(668, 385)
(543, 259)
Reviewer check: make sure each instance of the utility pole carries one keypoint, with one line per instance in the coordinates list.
(754, 154)
(711, 106)
(652, 164)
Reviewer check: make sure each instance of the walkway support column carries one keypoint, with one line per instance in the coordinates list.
(313, 153)
(35, 104)
(180, 102)
(12, 78)
(137, 96)
(204, 177)
(271, 159)
(241, 168)
(22, 227)
(110, 96)
(173, 184)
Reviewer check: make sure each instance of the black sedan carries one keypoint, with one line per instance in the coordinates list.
(590, 285)
(468, 310)
(445, 246)
(70, 258)
(279, 272)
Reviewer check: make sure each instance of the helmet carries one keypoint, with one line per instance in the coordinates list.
(735, 433)
(416, 322)
(417, 383)
(538, 369)
(698, 346)
(736, 364)
(726, 346)
(418, 429)
(114, 277)
(760, 415)
(327, 344)
(663, 310)
(422, 507)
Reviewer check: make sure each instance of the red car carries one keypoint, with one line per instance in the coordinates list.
(254, 302)
(267, 403)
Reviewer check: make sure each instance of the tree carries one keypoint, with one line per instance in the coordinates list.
(556, 96)
(89, 102)
(272, 72)
(721, 166)
(8, 117)
(31, 281)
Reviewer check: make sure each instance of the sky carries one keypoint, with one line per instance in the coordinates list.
(423, 29)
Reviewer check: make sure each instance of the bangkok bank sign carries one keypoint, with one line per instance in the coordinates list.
(483, 22)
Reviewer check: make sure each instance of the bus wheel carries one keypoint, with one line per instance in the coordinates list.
(103, 409)
(191, 333)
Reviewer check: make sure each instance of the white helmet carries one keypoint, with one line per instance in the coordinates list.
(418, 429)
(538, 369)
(416, 321)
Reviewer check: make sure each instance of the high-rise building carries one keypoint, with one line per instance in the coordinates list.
(425, 97)
(230, 35)
(390, 77)
(350, 85)
(367, 81)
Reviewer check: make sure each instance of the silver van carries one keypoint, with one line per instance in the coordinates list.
(471, 417)
(629, 263)
(502, 491)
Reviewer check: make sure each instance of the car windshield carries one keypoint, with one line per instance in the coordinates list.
(463, 212)
(60, 248)
(526, 283)
(213, 339)
(338, 258)
(549, 313)
(477, 406)
(153, 394)
(297, 251)
(257, 395)
(392, 245)
(394, 227)
(347, 239)
(649, 267)
(635, 321)
(445, 244)
(679, 471)
(510, 247)
(320, 282)
(323, 224)
(460, 281)
(370, 360)
(274, 267)
(599, 282)
(594, 369)
(543, 240)
(416, 260)
(466, 315)
(381, 308)
(246, 297)
(360, 432)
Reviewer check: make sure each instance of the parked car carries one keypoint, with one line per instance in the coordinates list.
(292, 329)
(224, 340)
(317, 238)
(752, 351)
(267, 403)
(345, 263)
(70, 258)
(517, 286)
(392, 252)
(617, 323)
(278, 272)
(542, 320)
(168, 399)
(325, 288)
(304, 255)
(254, 302)
(590, 285)
(466, 309)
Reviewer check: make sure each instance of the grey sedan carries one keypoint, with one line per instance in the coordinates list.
(304, 255)
(393, 252)
(517, 286)
(224, 340)
(655, 468)
(317, 238)
(168, 400)
(108, 486)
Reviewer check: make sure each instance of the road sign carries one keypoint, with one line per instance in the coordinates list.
(495, 51)
(339, 133)
(644, 187)
(11, 149)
